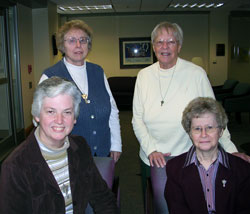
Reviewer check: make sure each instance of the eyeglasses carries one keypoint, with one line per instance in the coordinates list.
(73, 40)
(208, 129)
(170, 43)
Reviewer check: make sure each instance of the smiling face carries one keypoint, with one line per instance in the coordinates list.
(166, 49)
(56, 120)
(208, 138)
(75, 53)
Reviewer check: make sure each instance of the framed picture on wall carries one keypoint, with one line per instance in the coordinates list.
(136, 52)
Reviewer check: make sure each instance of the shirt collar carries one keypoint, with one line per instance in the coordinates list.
(74, 66)
(222, 157)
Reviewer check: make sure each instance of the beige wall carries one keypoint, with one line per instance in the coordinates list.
(240, 37)
(45, 24)
(218, 33)
(108, 30)
(41, 42)
(26, 58)
(53, 27)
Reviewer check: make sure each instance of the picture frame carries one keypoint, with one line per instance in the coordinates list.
(244, 54)
(136, 52)
(240, 53)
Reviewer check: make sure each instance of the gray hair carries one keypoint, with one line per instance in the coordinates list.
(202, 105)
(168, 26)
(53, 87)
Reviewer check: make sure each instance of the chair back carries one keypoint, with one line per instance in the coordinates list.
(158, 182)
(106, 167)
(230, 84)
(241, 89)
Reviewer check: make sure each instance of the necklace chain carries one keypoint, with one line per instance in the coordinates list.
(84, 95)
(163, 97)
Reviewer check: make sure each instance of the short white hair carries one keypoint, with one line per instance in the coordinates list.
(53, 87)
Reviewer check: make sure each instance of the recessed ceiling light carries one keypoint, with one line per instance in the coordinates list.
(92, 7)
(109, 6)
(219, 5)
(201, 5)
(196, 5)
(62, 8)
(177, 5)
(210, 5)
(193, 5)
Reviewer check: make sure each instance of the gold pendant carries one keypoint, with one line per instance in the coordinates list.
(85, 97)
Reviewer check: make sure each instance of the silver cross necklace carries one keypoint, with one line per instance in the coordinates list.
(163, 97)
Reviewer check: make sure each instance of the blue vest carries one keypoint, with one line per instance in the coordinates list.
(93, 120)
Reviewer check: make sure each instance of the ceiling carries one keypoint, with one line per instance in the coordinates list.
(143, 6)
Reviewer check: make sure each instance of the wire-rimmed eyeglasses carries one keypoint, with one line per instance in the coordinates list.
(73, 40)
(208, 129)
(169, 43)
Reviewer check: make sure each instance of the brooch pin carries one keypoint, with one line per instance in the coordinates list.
(85, 97)
(224, 182)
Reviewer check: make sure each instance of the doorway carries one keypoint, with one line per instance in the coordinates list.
(11, 113)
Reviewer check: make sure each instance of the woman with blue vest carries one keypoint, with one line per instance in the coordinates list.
(98, 121)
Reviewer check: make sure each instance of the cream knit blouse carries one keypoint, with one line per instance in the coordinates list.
(158, 128)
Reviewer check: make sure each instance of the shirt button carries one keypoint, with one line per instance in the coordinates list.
(92, 116)
(94, 132)
(95, 147)
(208, 190)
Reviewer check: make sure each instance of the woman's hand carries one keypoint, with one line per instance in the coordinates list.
(158, 159)
(115, 155)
